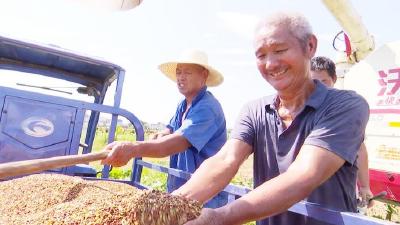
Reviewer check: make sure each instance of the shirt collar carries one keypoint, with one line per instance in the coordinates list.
(200, 95)
(315, 100)
(318, 96)
(196, 99)
(270, 102)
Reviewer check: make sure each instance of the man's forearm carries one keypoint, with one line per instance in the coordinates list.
(162, 147)
(273, 197)
(216, 172)
(212, 176)
(312, 167)
(363, 173)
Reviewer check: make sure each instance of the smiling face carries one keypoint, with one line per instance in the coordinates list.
(190, 79)
(281, 59)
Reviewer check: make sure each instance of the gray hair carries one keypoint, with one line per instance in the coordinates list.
(295, 22)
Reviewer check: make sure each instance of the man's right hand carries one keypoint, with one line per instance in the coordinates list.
(120, 153)
(208, 217)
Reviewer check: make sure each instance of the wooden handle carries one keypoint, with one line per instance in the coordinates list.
(37, 165)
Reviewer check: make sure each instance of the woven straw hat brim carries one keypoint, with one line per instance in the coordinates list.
(215, 78)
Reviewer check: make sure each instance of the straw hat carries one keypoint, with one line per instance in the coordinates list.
(215, 78)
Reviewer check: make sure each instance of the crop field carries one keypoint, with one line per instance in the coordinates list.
(382, 209)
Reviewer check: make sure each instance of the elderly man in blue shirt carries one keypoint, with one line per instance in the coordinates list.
(196, 131)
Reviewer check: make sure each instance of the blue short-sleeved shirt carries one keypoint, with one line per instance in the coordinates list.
(205, 128)
(332, 119)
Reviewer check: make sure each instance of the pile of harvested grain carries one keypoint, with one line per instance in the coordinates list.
(60, 199)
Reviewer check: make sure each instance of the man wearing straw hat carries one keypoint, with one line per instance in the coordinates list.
(196, 131)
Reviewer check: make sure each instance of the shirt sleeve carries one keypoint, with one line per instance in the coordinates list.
(200, 126)
(170, 124)
(243, 129)
(341, 128)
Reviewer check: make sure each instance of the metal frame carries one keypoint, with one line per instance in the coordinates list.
(81, 108)
(79, 105)
(304, 208)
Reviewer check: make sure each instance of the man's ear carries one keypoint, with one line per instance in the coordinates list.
(312, 45)
(205, 73)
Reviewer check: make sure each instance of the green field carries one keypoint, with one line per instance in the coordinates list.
(157, 180)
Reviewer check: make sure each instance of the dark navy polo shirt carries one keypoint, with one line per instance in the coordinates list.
(332, 119)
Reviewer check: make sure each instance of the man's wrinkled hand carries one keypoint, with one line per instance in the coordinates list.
(120, 153)
(365, 195)
(207, 217)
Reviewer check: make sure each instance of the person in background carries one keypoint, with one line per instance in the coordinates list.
(197, 130)
(324, 70)
(303, 147)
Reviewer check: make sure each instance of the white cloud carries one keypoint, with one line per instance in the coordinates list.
(240, 23)
(232, 51)
(328, 37)
(209, 35)
(239, 63)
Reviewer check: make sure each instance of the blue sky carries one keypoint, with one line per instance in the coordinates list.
(157, 31)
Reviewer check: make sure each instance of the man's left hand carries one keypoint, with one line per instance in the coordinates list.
(365, 194)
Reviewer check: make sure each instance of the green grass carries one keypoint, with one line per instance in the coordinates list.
(155, 179)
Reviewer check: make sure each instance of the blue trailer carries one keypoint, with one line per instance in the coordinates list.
(37, 125)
